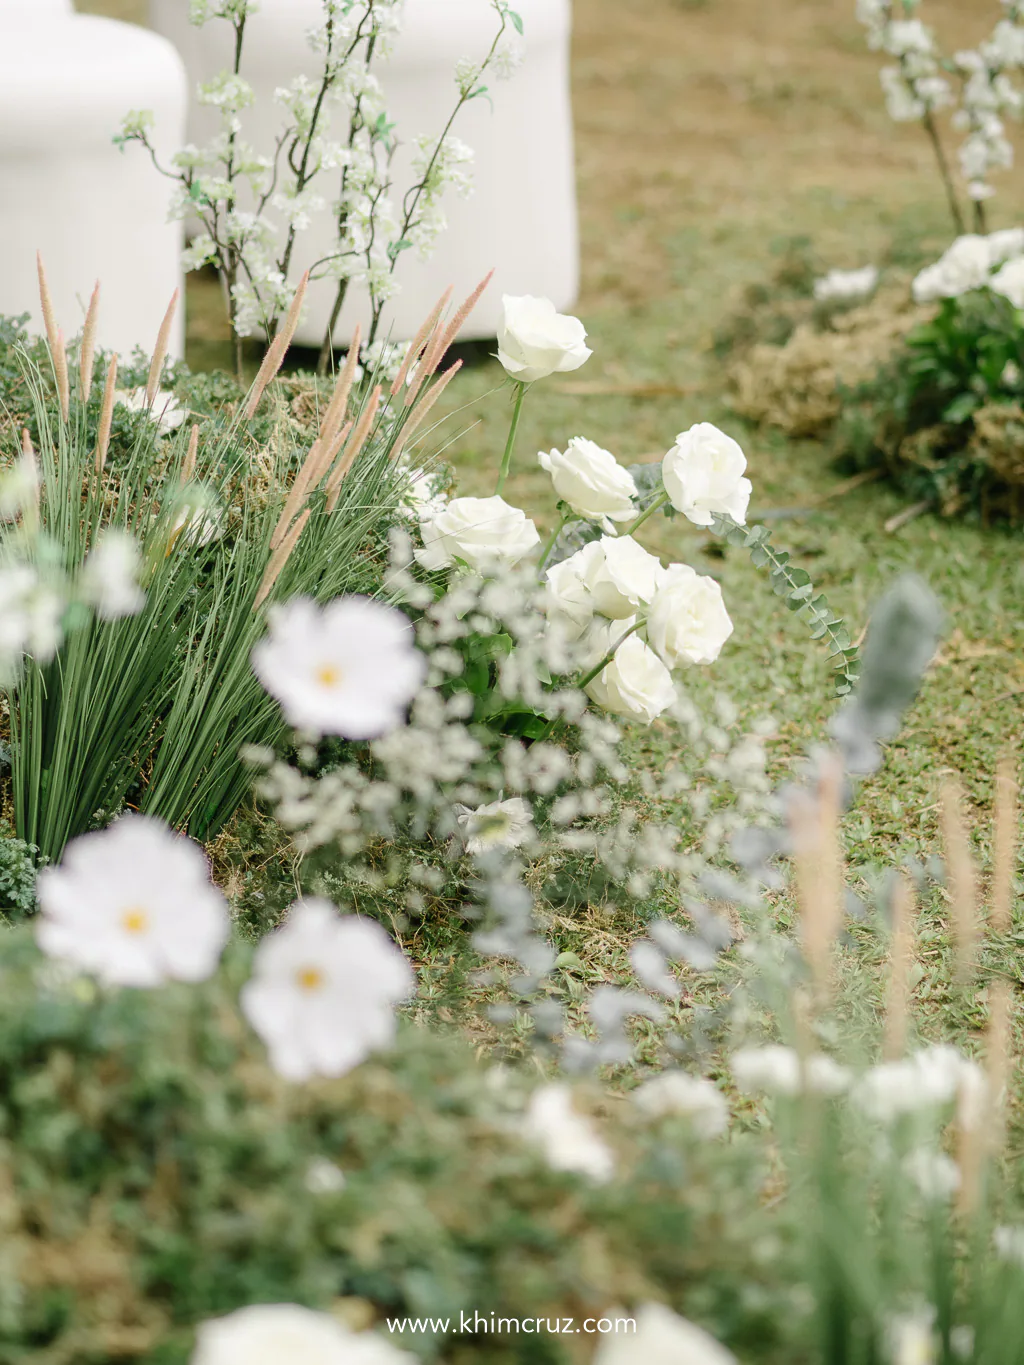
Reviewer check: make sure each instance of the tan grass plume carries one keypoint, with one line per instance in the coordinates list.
(276, 351)
(163, 341)
(87, 355)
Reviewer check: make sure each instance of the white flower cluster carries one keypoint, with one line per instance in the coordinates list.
(914, 86)
(133, 905)
(847, 286)
(995, 261)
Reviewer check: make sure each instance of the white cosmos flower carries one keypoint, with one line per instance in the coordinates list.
(323, 991)
(591, 481)
(695, 1097)
(567, 1139)
(703, 474)
(1009, 281)
(616, 572)
(485, 533)
(778, 1070)
(846, 286)
(110, 576)
(687, 622)
(285, 1334)
(133, 904)
(661, 1338)
(165, 411)
(535, 341)
(501, 824)
(349, 668)
(634, 684)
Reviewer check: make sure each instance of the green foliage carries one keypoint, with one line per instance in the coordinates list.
(17, 874)
(920, 414)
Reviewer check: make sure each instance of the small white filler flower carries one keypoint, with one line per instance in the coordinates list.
(134, 905)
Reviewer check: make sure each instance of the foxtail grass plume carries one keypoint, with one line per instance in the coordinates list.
(277, 349)
(87, 354)
(163, 339)
(106, 414)
(418, 342)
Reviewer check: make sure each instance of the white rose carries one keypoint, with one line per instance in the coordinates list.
(661, 1338)
(535, 341)
(964, 266)
(618, 573)
(591, 480)
(569, 604)
(483, 532)
(275, 1333)
(635, 684)
(687, 622)
(703, 474)
(1009, 281)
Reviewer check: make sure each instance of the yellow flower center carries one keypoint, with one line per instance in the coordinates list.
(327, 675)
(135, 920)
(309, 979)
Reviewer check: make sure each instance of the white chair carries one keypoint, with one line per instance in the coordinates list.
(92, 210)
(521, 217)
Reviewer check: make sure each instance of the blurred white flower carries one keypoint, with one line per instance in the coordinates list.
(695, 1097)
(1009, 1243)
(964, 266)
(778, 1070)
(535, 341)
(485, 533)
(687, 622)
(935, 1175)
(846, 286)
(324, 1177)
(500, 824)
(567, 1139)
(616, 572)
(929, 1078)
(1004, 243)
(30, 617)
(349, 668)
(905, 36)
(323, 991)
(1009, 281)
(285, 1334)
(110, 576)
(662, 1338)
(420, 495)
(134, 905)
(591, 481)
(634, 684)
(912, 1338)
(703, 474)
(165, 410)
(19, 487)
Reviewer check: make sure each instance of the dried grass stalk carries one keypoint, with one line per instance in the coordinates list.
(462, 313)
(106, 415)
(963, 883)
(1004, 844)
(981, 1135)
(328, 454)
(276, 351)
(279, 559)
(356, 443)
(87, 356)
(296, 495)
(901, 959)
(163, 340)
(421, 409)
(419, 341)
(338, 406)
(60, 369)
(189, 467)
(46, 303)
(819, 875)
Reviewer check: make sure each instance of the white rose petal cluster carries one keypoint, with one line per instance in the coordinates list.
(634, 684)
(484, 533)
(687, 622)
(287, 1334)
(536, 341)
(969, 264)
(591, 481)
(614, 576)
(704, 474)
(323, 991)
(133, 904)
(349, 668)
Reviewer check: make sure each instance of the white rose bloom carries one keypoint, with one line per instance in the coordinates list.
(661, 1338)
(687, 622)
(567, 1139)
(777, 1070)
(349, 668)
(323, 991)
(535, 341)
(165, 410)
(1004, 243)
(134, 905)
(617, 572)
(635, 684)
(501, 824)
(1009, 281)
(703, 474)
(285, 1334)
(964, 266)
(846, 285)
(694, 1097)
(485, 533)
(568, 604)
(591, 481)
(110, 576)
